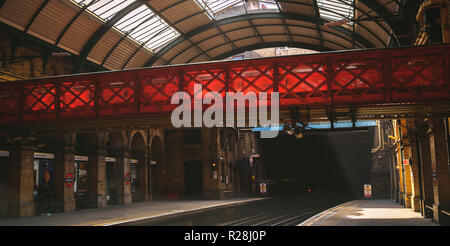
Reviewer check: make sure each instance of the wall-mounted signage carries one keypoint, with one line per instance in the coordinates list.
(38, 155)
(81, 158)
(127, 178)
(68, 180)
(4, 153)
(367, 191)
(133, 161)
(263, 188)
(110, 159)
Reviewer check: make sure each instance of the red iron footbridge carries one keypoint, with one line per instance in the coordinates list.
(394, 77)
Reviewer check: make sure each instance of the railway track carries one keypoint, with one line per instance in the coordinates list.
(271, 218)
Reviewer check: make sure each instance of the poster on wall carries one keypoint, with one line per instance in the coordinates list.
(367, 191)
(46, 178)
(82, 180)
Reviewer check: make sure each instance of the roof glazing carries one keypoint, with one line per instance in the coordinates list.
(141, 24)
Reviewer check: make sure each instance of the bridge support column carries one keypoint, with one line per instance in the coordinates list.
(425, 169)
(404, 196)
(97, 177)
(416, 199)
(394, 176)
(122, 178)
(64, 167)
(439, 168)
(21, 182)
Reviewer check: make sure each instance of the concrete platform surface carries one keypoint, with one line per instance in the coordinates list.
(369, 213)
(117, 214)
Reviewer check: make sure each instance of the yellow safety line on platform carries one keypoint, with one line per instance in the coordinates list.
(316, 218)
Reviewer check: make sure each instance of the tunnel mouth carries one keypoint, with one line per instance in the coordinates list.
(329, 163)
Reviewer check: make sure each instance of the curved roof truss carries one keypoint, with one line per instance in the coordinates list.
(121, 34)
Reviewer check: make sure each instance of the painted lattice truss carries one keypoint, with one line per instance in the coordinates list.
(417, 75)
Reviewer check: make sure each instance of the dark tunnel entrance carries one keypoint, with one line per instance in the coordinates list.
(328, 162)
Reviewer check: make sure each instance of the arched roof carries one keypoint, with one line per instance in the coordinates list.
(122, 34)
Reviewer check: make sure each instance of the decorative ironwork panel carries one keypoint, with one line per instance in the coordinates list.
(156, 90)
(77, 98)
(418, 76)
(10, 101)
(357, 79)
(116, 95)
(410, 75)
(303, 82)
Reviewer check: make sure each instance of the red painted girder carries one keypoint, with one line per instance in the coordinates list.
(413, 75)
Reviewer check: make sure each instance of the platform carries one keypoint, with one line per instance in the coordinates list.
(117, 214)
(368, 213)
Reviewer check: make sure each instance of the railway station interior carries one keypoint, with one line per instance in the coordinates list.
(86, 96)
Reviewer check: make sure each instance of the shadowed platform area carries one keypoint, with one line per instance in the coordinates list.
(118, 214)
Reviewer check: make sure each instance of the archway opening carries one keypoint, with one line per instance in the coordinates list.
(158, 172)
(86, 170)
(138, 168)
(114, 180)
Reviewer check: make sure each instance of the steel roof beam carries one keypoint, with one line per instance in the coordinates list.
(93, 40)
(265, 25)
(36, 14)
(270, 45)
(319, 30)
(162, 31)
(239, 18)
(284, 22)
(385, 14)
(173, 24)
(144, 43)
(393, 36)
(254, 36)
(345, 17)
(66, 28)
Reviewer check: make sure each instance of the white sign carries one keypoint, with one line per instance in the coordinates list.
(263, 188)
(81, 158)
(4, 153)
(110, 159)
(367, 191)
(38, 155)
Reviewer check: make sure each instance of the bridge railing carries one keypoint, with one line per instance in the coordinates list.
(413, 75)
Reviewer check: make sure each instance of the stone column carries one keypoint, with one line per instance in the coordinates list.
(439, 168)
(425, 169)
(21, 182)
(408, 184)
(393, 193)
(97, 177)
(416, 199)
(121, 170)
(405, 169)
(143, 177)
(396, 177)
(64, 167)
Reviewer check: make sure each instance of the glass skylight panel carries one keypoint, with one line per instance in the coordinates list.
(144, 26)
(224, 7)
(105, 9)
(335, 10)
(141, 24)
